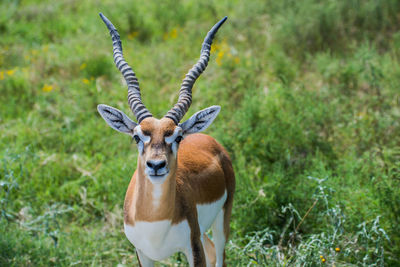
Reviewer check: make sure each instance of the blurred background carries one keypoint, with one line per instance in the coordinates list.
(310, 114)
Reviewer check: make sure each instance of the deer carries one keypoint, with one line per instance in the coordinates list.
(184, 181)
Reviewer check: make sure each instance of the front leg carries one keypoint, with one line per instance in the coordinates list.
(143, 260)
(195, 253)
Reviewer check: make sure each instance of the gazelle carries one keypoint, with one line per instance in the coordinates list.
(184, 181)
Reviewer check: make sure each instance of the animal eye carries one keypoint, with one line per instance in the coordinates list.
(146, 133)
(178, 139)
(137, 139)
(168, 133)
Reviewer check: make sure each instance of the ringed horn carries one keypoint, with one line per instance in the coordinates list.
(185, 93)
(134, 99)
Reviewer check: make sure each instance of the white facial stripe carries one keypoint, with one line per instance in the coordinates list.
(171, 139)
(143, 138)
(138, 131)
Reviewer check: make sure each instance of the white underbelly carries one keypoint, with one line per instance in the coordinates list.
(159, 240)
(208, 212)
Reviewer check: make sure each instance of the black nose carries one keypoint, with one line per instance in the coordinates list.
(156, 164)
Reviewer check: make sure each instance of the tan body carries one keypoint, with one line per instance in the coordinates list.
(203, 175)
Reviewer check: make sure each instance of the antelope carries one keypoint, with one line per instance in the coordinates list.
(184, 181)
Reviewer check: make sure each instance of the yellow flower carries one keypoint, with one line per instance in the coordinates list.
(223, 50)
(215, 47)
(171, 35)
(10, 72)
(220, 55)
(47, 88)
(174, 33)
(337, 249)
(82, 66)
(321, 256)
(1, 75)
(132, 35)
(236, 60)
(85, 81)
(323, 260)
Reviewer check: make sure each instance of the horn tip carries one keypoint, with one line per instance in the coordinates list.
(222, 21)
(103, 18)
(106, 21)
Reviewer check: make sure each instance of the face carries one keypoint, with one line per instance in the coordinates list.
(157, 142)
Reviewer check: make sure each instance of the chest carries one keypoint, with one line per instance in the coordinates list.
(160, 239)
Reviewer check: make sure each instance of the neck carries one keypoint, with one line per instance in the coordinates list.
(154, 202)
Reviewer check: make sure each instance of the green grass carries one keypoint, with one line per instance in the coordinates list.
(310, 115)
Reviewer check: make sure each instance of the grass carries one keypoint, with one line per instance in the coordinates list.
(310, 115)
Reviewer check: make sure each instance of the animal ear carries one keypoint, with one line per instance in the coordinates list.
(200, 120)
(116, 119)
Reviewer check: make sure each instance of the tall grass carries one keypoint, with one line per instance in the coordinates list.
(307, 89)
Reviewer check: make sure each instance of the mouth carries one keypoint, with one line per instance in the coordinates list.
(158, 178)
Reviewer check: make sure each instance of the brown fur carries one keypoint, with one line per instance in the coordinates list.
(200, 174)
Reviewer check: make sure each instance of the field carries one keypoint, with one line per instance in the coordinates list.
(310, 97)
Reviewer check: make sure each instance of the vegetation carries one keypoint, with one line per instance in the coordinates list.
(310, 115)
